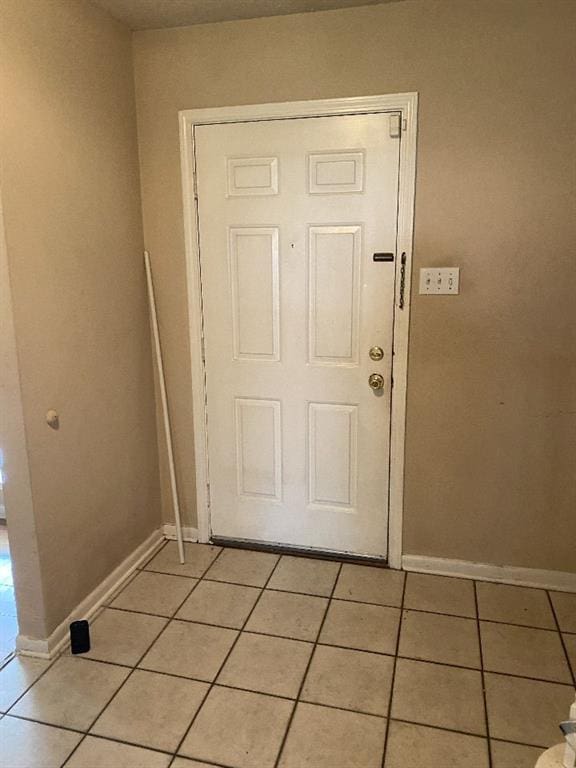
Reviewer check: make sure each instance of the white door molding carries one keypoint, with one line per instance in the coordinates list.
(406, 104)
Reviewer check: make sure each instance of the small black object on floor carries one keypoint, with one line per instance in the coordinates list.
(79, 637)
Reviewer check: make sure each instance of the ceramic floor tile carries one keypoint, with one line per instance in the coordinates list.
(570, 643)
(565, 608)
(506, 755)
(433, 694)
(367, 584)
(237, 728)
(101, 753)
(121, 637)
(151, 710)
(242, 566)
(302, 574)
(26, 744)
(514, 605)
(417, 745)
(190, 650)
(526, 711)
(287, 614)
(71, 693)
(17, 676)
(325, 738)
(267, 664)
(184, 762)
(198, 558)
(524, 651)
(355, 680)
(226, 605)
(364, 627)
(440, 594)
(436, 637)
(155, 593)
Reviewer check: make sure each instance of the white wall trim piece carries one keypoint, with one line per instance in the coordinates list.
(189, 533)
(404, 103)
(51, 646)
(559, 581)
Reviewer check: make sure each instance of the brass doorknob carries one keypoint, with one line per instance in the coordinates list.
(376, 381)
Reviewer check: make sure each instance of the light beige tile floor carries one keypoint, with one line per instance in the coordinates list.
(515, 605)
(565, 607)
(570, 644)
(436, 637)
(252, 660)
(440, 594)
(103, 753)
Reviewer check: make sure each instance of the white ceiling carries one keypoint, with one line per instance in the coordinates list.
(158, 14)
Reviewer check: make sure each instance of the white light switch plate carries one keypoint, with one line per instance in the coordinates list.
(440, 280)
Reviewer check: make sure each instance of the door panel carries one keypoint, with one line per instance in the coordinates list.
(334, 276)
(290, 213)
(255, 283)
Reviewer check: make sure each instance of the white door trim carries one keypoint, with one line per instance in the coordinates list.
(406, 104)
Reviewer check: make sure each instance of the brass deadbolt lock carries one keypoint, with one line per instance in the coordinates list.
(376, 353)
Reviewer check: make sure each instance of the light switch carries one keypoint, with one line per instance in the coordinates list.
(440, 280)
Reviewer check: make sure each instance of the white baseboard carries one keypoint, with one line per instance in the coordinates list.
(559, 581)
(188, 533)
(51, 646)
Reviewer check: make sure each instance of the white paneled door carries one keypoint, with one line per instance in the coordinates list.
(291, 213)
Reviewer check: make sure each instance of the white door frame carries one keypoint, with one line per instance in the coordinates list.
(406, 104)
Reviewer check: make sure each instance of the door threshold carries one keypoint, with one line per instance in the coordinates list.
(289, 549)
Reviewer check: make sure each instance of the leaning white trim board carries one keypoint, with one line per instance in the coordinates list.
(406, 104)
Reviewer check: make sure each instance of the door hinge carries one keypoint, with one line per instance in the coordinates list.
(402, 281)
(395, 126)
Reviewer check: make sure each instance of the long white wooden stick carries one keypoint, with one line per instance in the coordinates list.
(165, 414)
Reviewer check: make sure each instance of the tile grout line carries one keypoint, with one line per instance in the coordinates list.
(348, 600)
(472, 734)
(483, 677)
(203, 577)
(421, 659)
(308, 665)
(84, 735)
(153, 555)
(240, 631)
(562, 642)
(40, 676)
(320, 645)
(140, 658)
(283, 698)
(393, 678)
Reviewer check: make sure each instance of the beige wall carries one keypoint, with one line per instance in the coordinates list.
(492, 378)
(70, 186)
